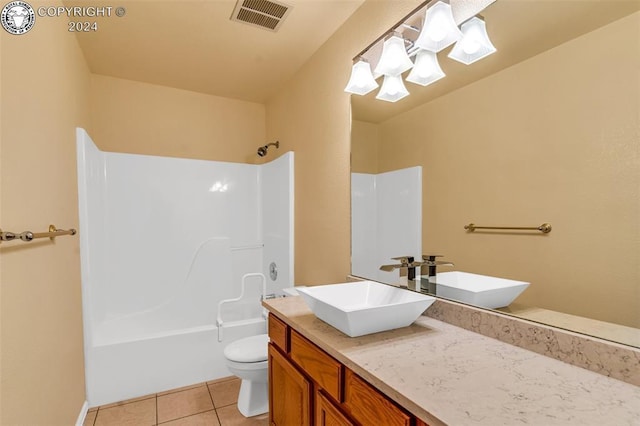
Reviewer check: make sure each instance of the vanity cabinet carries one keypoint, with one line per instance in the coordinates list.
(308, 386)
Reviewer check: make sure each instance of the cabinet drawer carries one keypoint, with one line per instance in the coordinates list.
(323, 369)
(278, 333)
(368, 406)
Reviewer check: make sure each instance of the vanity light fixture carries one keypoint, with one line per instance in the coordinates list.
(361, 81)
(394, 59)
(474, 44)
(392, 89)
(439, 30)
(423, 33)
(426, 69)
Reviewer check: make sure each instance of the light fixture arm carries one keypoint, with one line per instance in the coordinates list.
(394, 28)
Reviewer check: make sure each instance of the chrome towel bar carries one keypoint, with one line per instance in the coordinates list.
(29, 236)
(544, 228)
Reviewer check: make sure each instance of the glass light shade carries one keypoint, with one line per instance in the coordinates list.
(426, 69)
(474, 44)
(439, 30)
(392, 89)
(361, 81)
(394, 59)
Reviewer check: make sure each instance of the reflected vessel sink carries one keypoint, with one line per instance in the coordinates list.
(478, 290)
(365, 307)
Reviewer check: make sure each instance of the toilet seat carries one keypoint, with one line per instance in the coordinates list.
(248, 350)
(248, 366)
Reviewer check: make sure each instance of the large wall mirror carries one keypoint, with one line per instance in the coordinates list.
(547, 129)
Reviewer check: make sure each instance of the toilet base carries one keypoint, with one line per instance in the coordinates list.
(253, 398)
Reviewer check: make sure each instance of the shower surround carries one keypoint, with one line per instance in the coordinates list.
(162, 241)
(386, 221)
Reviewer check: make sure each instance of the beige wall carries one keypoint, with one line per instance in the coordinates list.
(365, 143)
(553, 139)
(140, 118)
(311, 115)
(42, 366)
(45, 88)
(47, 91)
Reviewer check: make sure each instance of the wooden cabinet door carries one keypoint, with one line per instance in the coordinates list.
(328, 414)
(369, 407)
(289, 392)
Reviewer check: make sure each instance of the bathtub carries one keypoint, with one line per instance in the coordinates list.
(135, 352)
(131, 353)
(131, 367)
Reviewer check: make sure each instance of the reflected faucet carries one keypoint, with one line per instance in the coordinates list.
(427, 267)
(410, 264)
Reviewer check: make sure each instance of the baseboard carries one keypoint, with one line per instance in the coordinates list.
(83, 413)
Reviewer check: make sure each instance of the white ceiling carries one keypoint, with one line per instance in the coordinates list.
(193, 45)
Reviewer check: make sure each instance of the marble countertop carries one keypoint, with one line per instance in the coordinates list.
(446, 375)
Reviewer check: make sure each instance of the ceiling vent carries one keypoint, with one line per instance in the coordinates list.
(261, 13)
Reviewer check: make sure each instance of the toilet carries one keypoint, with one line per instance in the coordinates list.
(247, 359)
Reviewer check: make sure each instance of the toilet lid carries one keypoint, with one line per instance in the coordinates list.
(249, 349)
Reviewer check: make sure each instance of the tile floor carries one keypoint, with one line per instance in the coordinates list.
(205, 404)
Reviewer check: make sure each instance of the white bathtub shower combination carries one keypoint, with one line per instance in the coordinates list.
(163, 240)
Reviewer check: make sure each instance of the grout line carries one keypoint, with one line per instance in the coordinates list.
(157, 410)
(215, 409)
(228, 405)
(187, 416)
(211, 397)
(218, 417)
(95, 419)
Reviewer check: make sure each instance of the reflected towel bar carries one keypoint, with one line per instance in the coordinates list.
(544, 228)
(29, 236)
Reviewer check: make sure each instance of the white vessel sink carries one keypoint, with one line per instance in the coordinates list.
(365, 307)
(478, 290)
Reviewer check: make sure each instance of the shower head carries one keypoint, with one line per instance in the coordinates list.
(262, 151)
